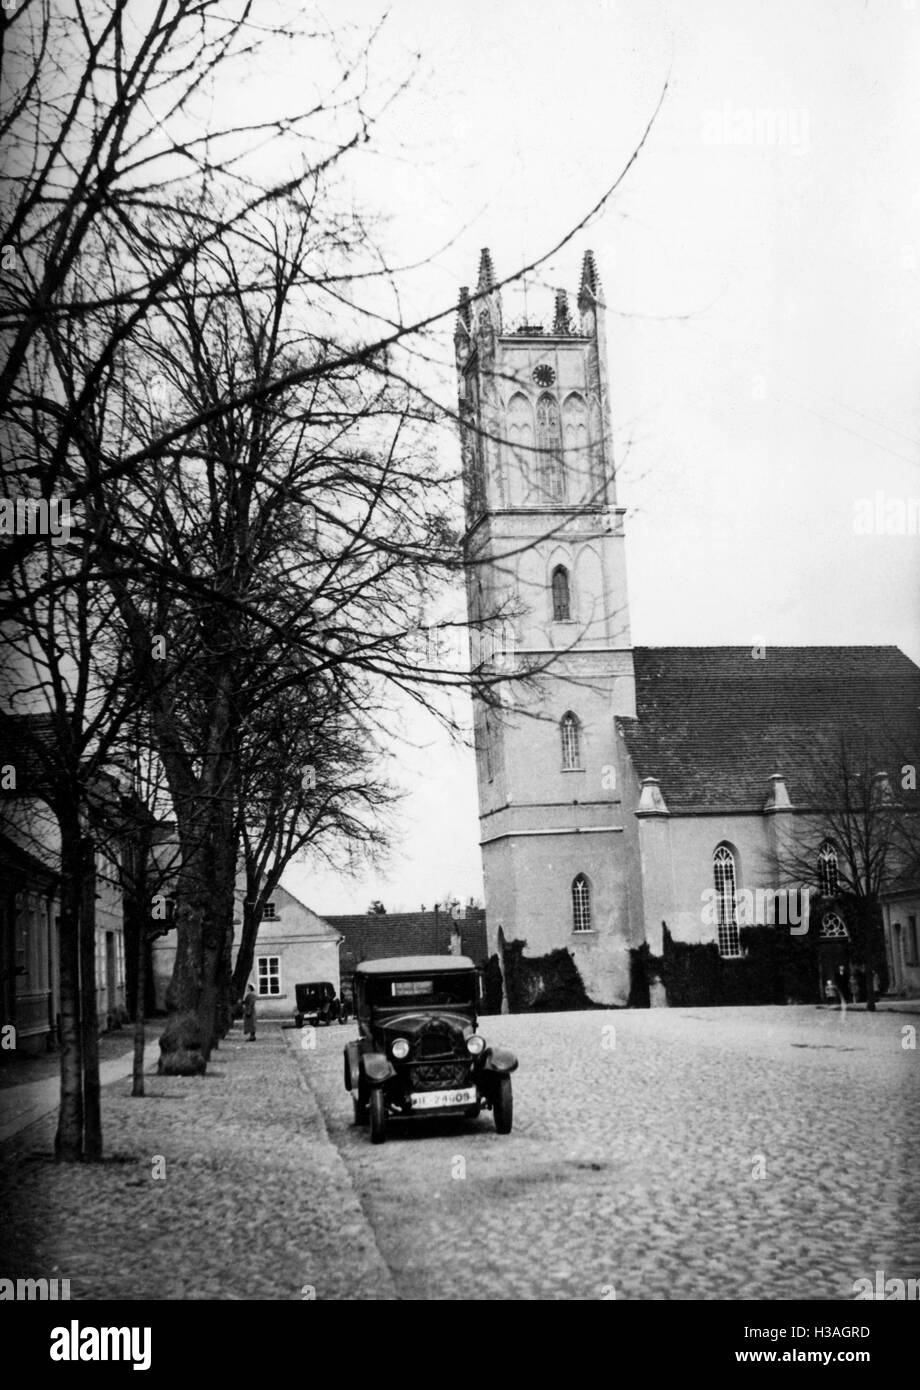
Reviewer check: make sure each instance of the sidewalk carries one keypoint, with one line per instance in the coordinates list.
(23, 1105)
(225, 1186)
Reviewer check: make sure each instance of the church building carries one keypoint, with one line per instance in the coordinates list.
(637, 804)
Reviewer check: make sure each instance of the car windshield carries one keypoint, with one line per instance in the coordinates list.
(418, 991)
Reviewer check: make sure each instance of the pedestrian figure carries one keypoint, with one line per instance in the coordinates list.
(843, 986)
(249, 1015)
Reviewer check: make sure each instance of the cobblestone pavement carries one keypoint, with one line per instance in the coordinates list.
(750, 1153)
(223, 1186)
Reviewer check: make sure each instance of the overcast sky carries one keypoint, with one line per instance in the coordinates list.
(761, 263)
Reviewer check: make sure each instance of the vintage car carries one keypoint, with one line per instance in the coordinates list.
(418, 1052)
(316, 1002)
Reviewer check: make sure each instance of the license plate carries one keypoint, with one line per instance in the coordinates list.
(436, 1100)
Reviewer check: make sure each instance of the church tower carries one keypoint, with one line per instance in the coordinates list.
(544, 547)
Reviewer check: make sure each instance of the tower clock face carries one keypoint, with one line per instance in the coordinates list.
(543, 375)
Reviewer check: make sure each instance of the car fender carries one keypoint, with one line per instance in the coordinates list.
(377, 1068)
(499, 1061)
(352, 1066)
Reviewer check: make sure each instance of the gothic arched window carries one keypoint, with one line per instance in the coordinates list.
(828, 874)
(562, 603)
(575, 438)
(519, 452)
(581, 904)
(833, 927)
(549, 444)
(723, 872)
(570, 733)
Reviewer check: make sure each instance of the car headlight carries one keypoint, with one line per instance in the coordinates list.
(400, 1049)
(475, 1044)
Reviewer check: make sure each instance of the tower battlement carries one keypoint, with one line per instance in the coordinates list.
(483, 310)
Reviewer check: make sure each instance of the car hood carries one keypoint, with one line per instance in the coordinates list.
(416, 1024)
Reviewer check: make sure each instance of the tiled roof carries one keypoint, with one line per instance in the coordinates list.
(18, 864)
(376, 935)
(21, 738)
(714, 723)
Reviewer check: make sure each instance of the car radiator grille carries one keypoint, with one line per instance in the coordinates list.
(440, 1076)
(435, 1045)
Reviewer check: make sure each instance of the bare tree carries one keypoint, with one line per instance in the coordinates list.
(204, 387)
(310, 781)
(858, 836)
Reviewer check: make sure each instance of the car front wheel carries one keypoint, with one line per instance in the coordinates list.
(503, 1106)
(378, 1116)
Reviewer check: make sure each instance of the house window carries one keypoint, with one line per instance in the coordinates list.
(723, 870)
(833, 927)
(487, 748)
(571, 742)
(910, 942)
(828, 876)
(562, 607)
(268, 913)
(268, 974)
(581, 904)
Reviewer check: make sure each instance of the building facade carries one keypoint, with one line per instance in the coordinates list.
(294, 946)
(545, 550)
(29, 907)
(638, 806)
(30, 851)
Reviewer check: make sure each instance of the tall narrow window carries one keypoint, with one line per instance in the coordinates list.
(581, 904)
(723, 871)
(828, 876)
(487, 742)
(473, 452)
(577, 453)
(519, 450)
(549, 444)
(571, 742)
(477, 477)
(562, 603)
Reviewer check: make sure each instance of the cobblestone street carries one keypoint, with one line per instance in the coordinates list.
(761, 1153)
(660, 1154)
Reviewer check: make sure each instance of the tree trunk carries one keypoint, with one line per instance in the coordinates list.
(137, 1083)
(92, 1114)
(225, 853)
(136, 898)
(68, 1141)
(246, 954)
(869, 955)
(181, 1052)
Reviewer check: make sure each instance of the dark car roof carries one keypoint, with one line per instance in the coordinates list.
(413, 965)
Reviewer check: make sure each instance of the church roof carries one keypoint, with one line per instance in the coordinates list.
(715, 723)
(371, 936)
